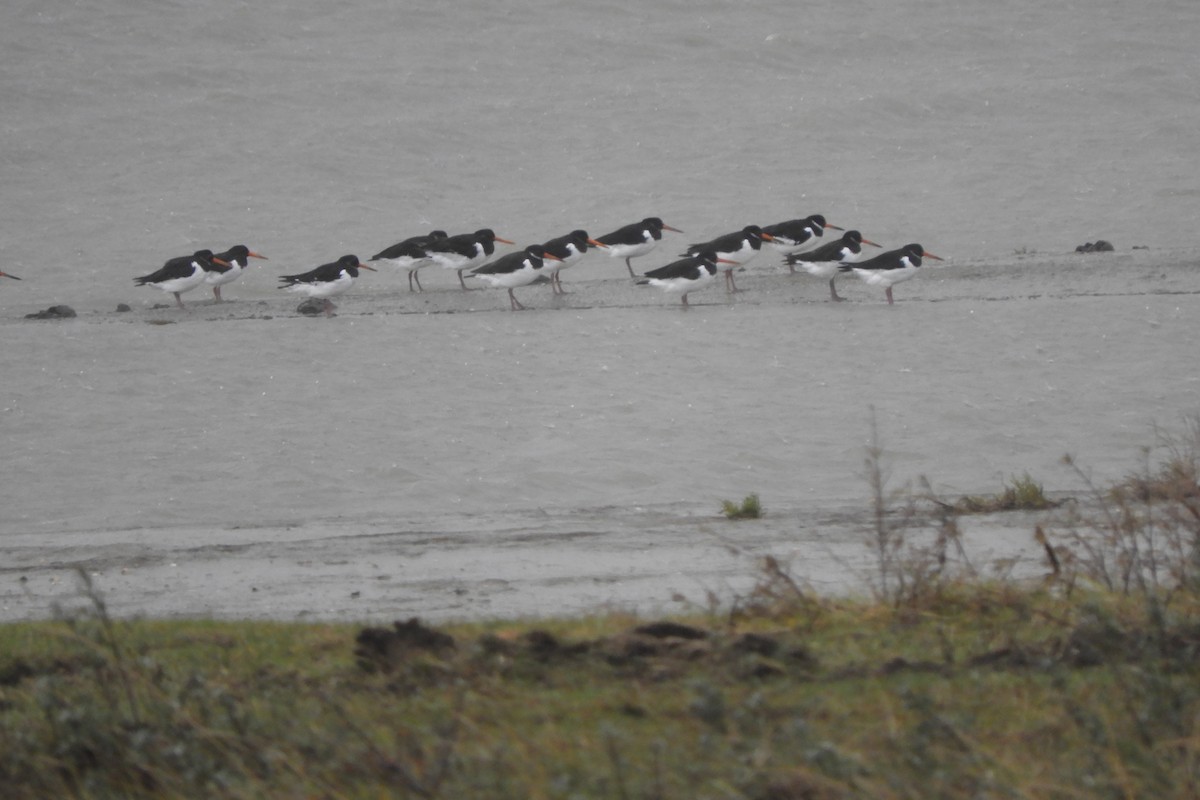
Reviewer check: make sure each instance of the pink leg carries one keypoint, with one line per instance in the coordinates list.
(833, 292)
(217, 293)
(889, 295)
(178, 299)
(513, 301)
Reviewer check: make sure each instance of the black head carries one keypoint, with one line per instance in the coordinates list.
(437, 236)
(852, 236)
(919, 252)
(352, 265)
(536, 250)
(657, 226)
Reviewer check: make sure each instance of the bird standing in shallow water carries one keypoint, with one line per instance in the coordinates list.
(178, 275)
(635, 239)
(686, 275)
(515, 269)
(238, 258)
(826, 260)
(410, 255)
(568, 249)
(888, 269)
(326, 280)
(735, 249)
(465, 250)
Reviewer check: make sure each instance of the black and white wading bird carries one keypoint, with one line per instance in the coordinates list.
(238, 258)
(326, 280)
(827, 260)
(183, 273)
(734, 249)
(635, 239)
(888, 269)
(568, 249)
(515, 269)
(464, 251)
(410, 255)
(686, 275)
(793, 235)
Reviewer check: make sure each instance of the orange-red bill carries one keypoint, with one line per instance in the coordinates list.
(506, 241)
(931, 255)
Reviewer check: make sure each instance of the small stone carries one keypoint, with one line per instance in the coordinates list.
(53, 312)
(123, 307)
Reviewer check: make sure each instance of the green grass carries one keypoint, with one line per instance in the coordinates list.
(750, 508)
(987, 690)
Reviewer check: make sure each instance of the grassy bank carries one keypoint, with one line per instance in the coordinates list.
(937, 684)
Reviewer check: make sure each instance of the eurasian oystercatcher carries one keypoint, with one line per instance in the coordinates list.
(464, 250)
(826, 260)
(794, 234)
(568, 249)
(238, 258)
(635, 239)
(515, 269)
(326, 280)
(685, 275)
(410, 255)
(178, 275)
(888, 269)
(8, 275)
(734, 248)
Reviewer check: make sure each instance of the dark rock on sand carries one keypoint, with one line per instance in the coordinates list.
(53, 312)
(123, 307)
(312, 306)
(1098, 246)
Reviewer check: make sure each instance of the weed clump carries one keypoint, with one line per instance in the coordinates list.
(750, 508)
(1021, 494)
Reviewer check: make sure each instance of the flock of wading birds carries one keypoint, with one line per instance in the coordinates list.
(471, 255)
